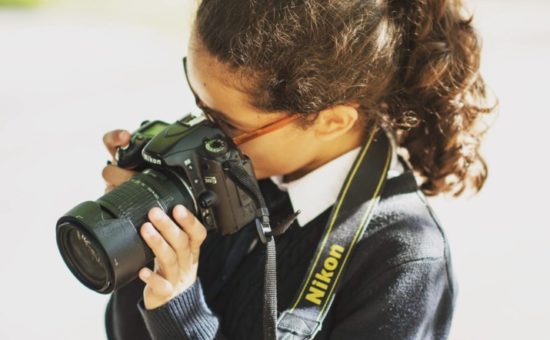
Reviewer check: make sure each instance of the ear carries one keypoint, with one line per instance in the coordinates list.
(335, 121)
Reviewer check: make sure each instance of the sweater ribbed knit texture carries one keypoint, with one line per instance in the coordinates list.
(398, 283)
(199, 322)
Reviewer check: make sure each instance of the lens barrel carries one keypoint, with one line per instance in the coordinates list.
(100, 241)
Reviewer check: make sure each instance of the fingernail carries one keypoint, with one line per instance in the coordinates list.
(181, 211)
(145, 274)
(157, 213)
(149, 230)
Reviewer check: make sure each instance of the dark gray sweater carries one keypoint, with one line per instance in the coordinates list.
(398, 283)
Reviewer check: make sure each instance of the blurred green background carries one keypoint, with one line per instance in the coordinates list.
(19, 3)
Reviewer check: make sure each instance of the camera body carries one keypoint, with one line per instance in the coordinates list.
(196, 150)
(129, 156)
(190, 162)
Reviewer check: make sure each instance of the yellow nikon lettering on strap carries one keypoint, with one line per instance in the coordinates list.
(319, 286)
(334, 215)
(329, 263)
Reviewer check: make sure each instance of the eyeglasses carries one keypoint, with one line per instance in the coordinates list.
(239, 137)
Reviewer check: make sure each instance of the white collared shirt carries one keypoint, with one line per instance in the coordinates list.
(316, 191)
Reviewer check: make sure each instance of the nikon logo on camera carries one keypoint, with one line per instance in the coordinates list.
(151, 159)
(321, 283)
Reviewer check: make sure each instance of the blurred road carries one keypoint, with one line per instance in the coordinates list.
(71, 71)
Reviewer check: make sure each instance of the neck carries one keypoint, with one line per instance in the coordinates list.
(328, 151)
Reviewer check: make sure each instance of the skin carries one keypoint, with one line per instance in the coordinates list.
(176, 240)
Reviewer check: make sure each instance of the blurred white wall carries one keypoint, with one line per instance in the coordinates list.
(69, 72)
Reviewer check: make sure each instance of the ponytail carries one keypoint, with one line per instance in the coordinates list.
(441, 87)
(411, 65)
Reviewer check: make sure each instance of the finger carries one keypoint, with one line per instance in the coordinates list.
(194, 229)
(166, 256)
(114, 176)
(171, 232)
(159, 285)
(108, 188)
(114, 139)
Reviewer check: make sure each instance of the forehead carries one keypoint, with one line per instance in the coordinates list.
(214, 83)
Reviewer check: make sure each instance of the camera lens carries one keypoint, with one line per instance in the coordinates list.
(100, 241)
(84, 257)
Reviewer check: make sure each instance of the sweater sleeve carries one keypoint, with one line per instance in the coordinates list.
(187, 316)
(412, 300)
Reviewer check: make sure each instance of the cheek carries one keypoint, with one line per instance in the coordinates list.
(278, 155)
(271, 164)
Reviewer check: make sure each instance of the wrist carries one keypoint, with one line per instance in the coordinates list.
(152, 300)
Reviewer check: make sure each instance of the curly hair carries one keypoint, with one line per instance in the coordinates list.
(411, 66)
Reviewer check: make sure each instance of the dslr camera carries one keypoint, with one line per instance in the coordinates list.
(190, 162)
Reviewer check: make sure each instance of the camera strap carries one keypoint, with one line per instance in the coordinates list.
(263, 227)
(348, 221)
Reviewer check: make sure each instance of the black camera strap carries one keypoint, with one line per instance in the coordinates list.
(263, 227)
(348, 221)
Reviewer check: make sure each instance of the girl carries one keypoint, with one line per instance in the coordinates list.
(308, 79)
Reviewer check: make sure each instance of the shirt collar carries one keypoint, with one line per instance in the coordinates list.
(318, 190)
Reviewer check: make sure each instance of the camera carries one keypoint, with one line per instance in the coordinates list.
(190, 162)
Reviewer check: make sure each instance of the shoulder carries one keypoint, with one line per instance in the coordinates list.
(398, 281)
(404, 235)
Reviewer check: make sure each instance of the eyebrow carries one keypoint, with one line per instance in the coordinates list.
(211, 110)
(218, 115)
(203, 106)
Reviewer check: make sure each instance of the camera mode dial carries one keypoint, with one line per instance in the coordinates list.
(215, 147)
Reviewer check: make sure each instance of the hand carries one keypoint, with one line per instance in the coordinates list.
(176, 248)
(112, 174)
